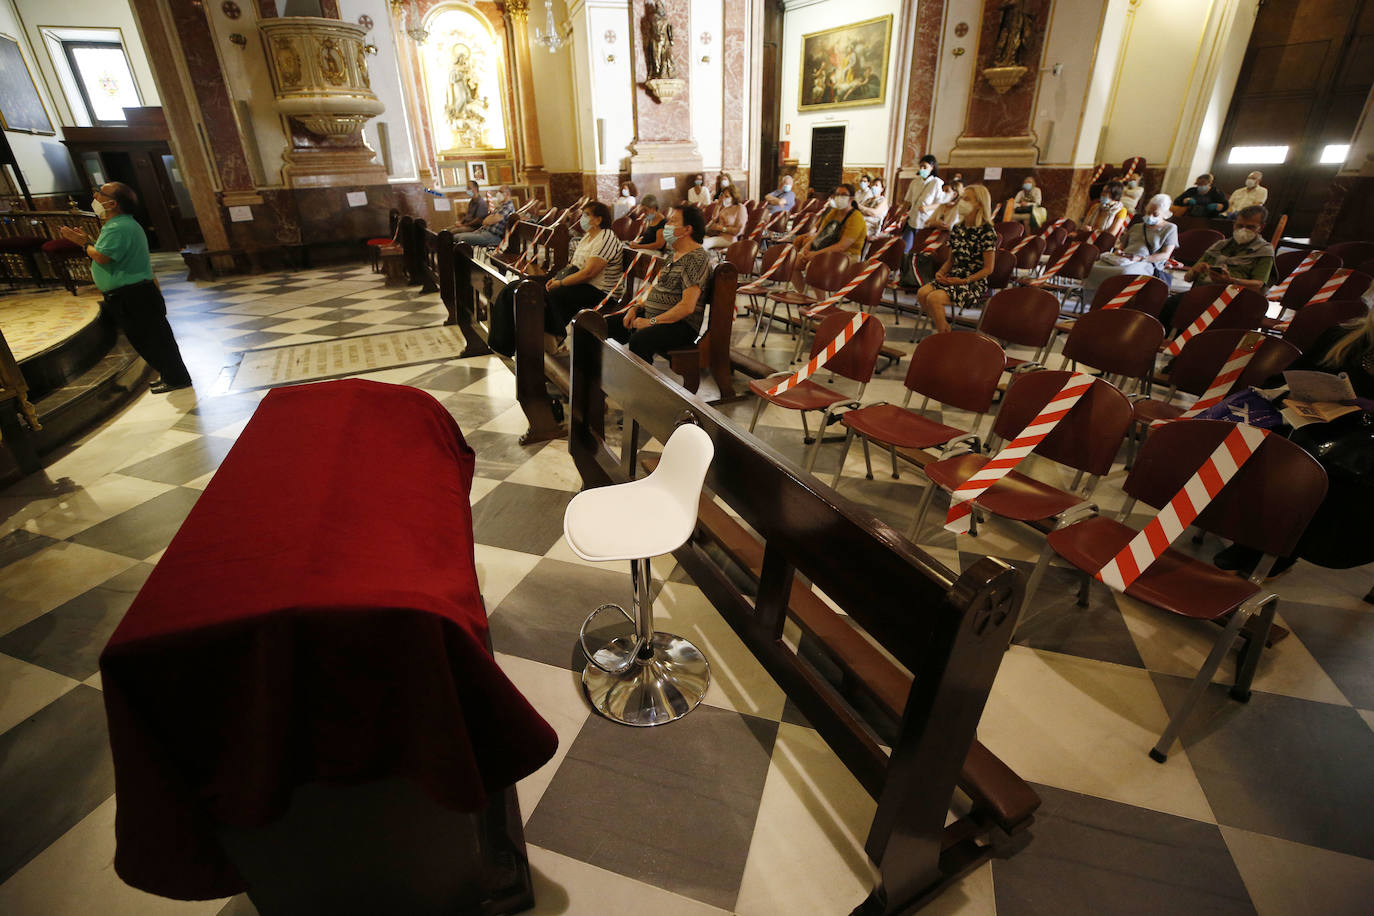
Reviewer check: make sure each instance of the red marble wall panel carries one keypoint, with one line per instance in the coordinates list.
(329, 9)
(1008, 114)
(920, 97)
(565, 188)
(736, 81)
(670, 119)
(267, 9)
(216, 108)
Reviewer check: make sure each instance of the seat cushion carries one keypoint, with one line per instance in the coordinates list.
(379, 241)
(1015, 496)
(21, 243)
(1147, 410)
(1175, 582)
(805, 396)
(893, 425)
(791, 298)
(62, 248)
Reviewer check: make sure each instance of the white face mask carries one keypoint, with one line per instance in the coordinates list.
(1251, 182)
(965, 208)
(1244, 236)
(624, 192)
(1203, 188)
(841, 202)
(787, 185)
(1151, 220)
(1132, 184)
(1027, 186)
(725, 182)
(98, 208)
(864, 185)
(924, 171)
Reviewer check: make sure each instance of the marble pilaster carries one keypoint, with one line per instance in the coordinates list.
(736, 27)
(997, 130)
(920, 98)
(663, 143)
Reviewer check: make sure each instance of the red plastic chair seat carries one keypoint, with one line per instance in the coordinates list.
(792, 298)
(22, 243)
(379, 241)
(1016, 496)
(893, 425)
(1012, 362)
(805, 396)
(62, 248)
(1147, 410)
(1175, 582)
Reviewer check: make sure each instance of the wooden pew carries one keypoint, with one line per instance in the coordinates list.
(951, 630)
(712, 352)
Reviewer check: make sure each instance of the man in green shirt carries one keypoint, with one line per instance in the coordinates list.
(123, 271)
(1245, 260)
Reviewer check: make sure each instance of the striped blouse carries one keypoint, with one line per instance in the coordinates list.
(606, 246)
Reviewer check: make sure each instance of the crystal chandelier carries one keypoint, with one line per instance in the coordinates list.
(410, 16)
(552, 36)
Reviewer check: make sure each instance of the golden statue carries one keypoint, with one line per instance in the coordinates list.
(659, 43)
(1013, 34)
(464, 107)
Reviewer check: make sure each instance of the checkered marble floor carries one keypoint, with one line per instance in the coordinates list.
(739, 807)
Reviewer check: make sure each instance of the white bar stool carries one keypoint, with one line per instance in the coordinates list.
(648, 677)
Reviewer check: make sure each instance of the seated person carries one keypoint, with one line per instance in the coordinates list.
(842, 228)
(728, 222)
(962, 280)
(865, 189)
(1252, 195)
(477, 209)
(947, 214)
(1108, 212)
(723, 182)
(671, 316)
(654, 219)
(1202, 199)
(493, 227)
(1130, 198)
(874, 206)
(625, 202)
(697, 195)
(593, 270)
(782, 200)
(1245, 260)
(1027, 207)
(1144, 249)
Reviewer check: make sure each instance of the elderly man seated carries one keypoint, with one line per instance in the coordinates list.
(782, 200)
(1245, 260)
(1203, 199)
(1252, 195)
(493, 227)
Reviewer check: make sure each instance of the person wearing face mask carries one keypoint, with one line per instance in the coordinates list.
(728, 222)
(671, 315)
(922, 197)
(1144, 249)
(1202, 199)
(864, 190)
(723, 183)
(841, 228)
(1130, 197)
(697, 195)
(962, 281)
(493, 228)
(477, 209)
(654, 221)
(123, 272)
(1026, 206)
(1107, 214)
(782, 200)
(1245, 260)
(625, 202)
(1252, 195)
(874, 206)
(947, 214)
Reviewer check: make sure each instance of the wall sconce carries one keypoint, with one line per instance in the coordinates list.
(610, 58)
(238, 39)
(370, 48)
(958, 52)
(705, 58)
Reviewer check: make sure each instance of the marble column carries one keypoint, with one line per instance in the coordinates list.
(663, 144)
(997, 130)
(531, 162)
(736, 27)
(920, 98)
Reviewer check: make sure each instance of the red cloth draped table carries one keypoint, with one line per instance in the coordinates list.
(316, 619)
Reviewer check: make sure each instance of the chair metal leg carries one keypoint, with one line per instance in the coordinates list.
(1254, 645)
(758, 409)
(892, 451)
(1160, 752)
(806, 430)
(1033, 583)
(848, 440)
(868, 461)
(921, 510)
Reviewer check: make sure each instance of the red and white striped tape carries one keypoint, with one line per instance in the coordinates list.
(624, 275)
(1132, 165)
(820, 359)
(1016, 249)
(1306, 264)
(649, 277)
(528, 256)
(765, 225)
(514, 224)
(1128, 292)
(1054, 225)
(864, 273)
(1151, 541)
(933, 242)
(1223, 383)
(1204, 321)
(1057, 266)
(1329, 288)
(756, 285)
(1097, 173)
(1004, 462)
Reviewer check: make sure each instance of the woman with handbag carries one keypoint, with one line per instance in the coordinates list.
(962, 281)
(842, 228)
(1145, 248)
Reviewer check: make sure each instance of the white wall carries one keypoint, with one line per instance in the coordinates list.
(384, 71)
(708, 79)
(1062, 100)
(608, 95)
(44, 162)
(954, 76)
(867, 128)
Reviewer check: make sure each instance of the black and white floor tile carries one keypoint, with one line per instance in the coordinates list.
(740, 807)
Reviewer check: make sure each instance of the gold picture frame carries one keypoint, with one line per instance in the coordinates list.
(21, 105)
(843, 67)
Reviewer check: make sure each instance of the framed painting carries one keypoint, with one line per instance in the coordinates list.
(477, 171)
(20, 106)
(845, 67)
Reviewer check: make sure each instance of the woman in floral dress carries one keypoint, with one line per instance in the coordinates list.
(962, 280)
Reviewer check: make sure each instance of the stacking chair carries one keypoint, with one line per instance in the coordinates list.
(959, 369)
(826, 272)
(1352, 252)
(1312, 320)
(1307, 285)
(1285, 261)
(648, 677)
(1028, 258)
(1056, 240)
(1148, 299)
(1245, 311)
(1120, 343)
(1069, 281)
(1266, 506)
(777, 282)
(866, 295)
(1021, 315)
(1008, 234)
(1086, 441)
(855, 361)
(1193, 242)
(621, 227)
(1004, 266)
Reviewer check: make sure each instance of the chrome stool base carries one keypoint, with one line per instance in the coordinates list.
(662, 687)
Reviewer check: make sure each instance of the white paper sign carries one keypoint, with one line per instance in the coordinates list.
(992, 173)
(666, 184)
(240, 214)
(357, 198)
(443, 203)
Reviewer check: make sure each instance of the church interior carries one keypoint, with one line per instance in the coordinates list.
(429, 478)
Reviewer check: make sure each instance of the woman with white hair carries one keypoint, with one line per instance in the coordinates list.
(1144, 248)
(962, 281)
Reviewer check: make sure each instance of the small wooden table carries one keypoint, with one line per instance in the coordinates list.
(394, 265)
